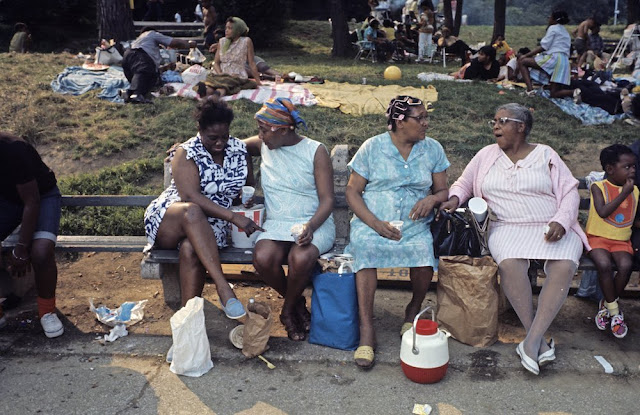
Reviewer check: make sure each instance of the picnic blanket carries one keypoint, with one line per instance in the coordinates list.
(75, 80)
(298, 94)
(587, 114)
(365, 99)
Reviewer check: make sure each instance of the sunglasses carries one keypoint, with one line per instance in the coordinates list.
(502, 121)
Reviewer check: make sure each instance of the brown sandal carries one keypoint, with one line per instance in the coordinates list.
(304, 316)
(294, 332)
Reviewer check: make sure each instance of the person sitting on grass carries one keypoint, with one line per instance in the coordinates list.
(612, 214)
(551, 59)
(194, 212)
(29, 197)
(21, 40)
(485, 66)
(228, 75)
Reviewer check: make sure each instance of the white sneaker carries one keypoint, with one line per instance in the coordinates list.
(51, 325)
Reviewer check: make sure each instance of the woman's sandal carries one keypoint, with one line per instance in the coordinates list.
(406, 326)
(294, 332)
(364, 357)
(304, 316)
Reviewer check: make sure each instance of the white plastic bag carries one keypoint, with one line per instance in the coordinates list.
(194, 74)
(195, 56)
(109, 56)
(191, 353)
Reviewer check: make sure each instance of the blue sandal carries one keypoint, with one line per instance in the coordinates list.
(234, 309)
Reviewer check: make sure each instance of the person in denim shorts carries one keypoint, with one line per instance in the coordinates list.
(29, 197)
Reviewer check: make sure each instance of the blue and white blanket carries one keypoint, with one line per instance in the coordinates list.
(75, 80)
(587, 114)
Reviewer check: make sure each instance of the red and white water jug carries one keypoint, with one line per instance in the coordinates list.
(424, 353)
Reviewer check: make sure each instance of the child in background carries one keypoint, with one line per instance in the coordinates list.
(614, 203)
(425, 35)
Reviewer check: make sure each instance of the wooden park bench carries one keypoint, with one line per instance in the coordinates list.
(163, 264)
(184, 31)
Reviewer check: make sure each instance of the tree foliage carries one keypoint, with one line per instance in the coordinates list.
(527, 12)
(265, 18)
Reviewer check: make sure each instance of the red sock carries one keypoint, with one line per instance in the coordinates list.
(46, 305)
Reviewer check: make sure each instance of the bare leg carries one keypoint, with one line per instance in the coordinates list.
(558, 91)
(186, 220)
(420, 280)
(302, 261)
(192, 273)
(43, 260)
(554, 293)
(268, 257)
(523, 66)
(624, 262)
(366, 284)
(604, 263)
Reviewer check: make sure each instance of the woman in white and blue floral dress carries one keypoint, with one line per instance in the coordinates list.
(193, 213)
(396, 176)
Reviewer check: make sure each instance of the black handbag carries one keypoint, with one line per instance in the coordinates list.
(454, 234)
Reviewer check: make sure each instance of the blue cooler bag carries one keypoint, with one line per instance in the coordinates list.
(334, 310)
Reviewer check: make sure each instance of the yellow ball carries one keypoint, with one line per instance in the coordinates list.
(392, 73)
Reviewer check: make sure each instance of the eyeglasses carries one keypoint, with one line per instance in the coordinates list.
(420, 119)
(502, 121)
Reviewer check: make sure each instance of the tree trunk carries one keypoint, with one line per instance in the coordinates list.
(114, 20)
(633, 11)
(499, 18)
(339, 30)
(448, 14)
(458, 19)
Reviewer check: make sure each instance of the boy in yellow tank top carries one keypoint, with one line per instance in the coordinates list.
(612, 214)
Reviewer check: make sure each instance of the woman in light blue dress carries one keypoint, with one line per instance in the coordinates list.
(297, 179)
(396, 176)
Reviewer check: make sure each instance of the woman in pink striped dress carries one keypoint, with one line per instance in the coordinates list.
(535, 199)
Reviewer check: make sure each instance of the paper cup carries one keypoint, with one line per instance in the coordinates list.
(397, 224)
(296, 231)
(478, 206)
(247, 193)
(237, 336)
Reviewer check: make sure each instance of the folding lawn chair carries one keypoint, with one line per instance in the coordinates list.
(366, 49)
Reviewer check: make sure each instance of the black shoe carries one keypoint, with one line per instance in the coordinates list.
(138, 99)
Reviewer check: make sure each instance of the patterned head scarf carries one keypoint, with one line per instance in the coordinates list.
(240, 28)
(280, 113)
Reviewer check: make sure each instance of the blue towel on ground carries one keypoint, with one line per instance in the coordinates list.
(75, 80)
(587, 114)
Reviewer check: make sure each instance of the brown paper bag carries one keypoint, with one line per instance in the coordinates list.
(468, 297)
(256, 329)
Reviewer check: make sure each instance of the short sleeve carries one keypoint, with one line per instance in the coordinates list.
(163, 39)
(441, 161)
(547, 40)
(20, 166)
(360, 162)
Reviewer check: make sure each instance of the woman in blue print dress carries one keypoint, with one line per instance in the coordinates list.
(399, 175)
(193, 213)
(297, 179)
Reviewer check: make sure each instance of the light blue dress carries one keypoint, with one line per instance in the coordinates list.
(393, 188)
(290, 193)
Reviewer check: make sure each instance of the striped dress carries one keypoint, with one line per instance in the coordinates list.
(554, 61)
(521, 195)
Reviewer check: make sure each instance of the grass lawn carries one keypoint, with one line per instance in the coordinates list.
(97, 147)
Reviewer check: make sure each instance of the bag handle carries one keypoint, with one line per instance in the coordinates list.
(414, 349)
(343, 265)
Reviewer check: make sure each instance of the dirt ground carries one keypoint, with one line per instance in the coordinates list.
(110, 279)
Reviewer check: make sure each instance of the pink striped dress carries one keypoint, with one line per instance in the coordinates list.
(521, 195)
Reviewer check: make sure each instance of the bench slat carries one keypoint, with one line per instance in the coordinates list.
(107, 200)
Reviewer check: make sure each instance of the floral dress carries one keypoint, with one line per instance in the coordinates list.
(233, 60)
(394, 186)
(221, 184)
